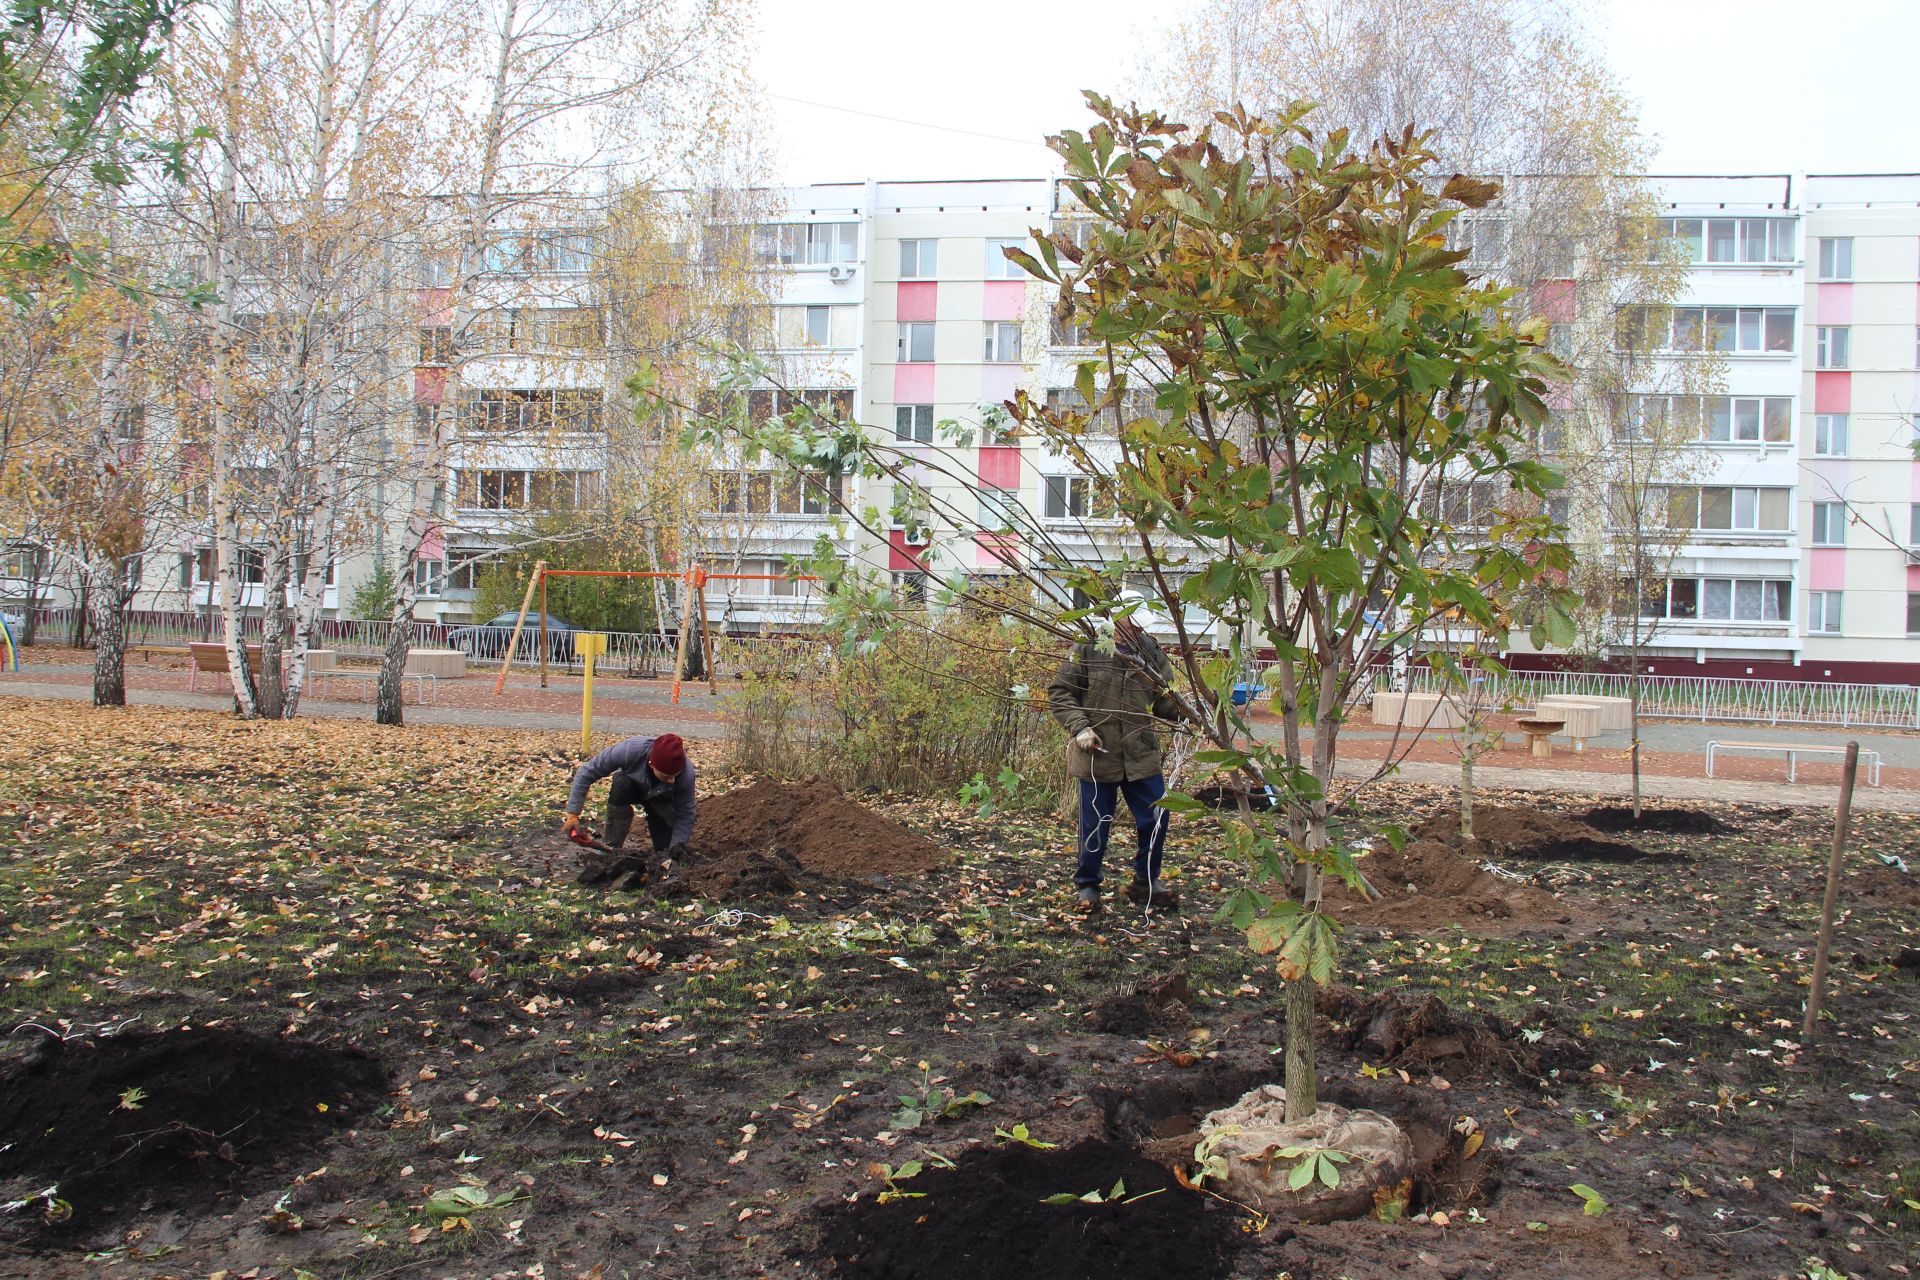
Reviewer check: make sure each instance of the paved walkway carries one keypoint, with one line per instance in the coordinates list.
(702, 727)
(632, 710)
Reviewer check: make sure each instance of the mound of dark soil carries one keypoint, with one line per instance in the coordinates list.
(1428, 884)
(984, 1220)
(1142, 1010)
(1530, 835)
(1677, 822)
(1419, 1032)
(216, 1112)
(773, 837)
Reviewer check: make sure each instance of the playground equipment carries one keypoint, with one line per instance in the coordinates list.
(588, 645)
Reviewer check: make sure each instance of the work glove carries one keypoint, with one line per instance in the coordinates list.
(1087, 740)
(569, 822)
(676, 852)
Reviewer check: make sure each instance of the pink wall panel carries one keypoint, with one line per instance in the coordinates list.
(1553, 301)
(434, 545)
(913, 384)
(1559, 396)
(996, 550)
(436, 305)
(997, 382)
(1827, 569)
(1835, 304)
(1000, 466)
(429, 386)
(1832, 392)
(1004, 300)
(916, 300)
(899, 555)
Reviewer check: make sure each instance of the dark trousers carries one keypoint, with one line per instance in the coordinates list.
(1098, 804)
(624, 792)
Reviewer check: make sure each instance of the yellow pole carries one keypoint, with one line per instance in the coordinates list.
(589, 645)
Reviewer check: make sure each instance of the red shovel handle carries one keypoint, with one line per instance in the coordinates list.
(581, 837)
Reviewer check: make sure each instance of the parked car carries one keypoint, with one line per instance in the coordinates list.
(488, 640)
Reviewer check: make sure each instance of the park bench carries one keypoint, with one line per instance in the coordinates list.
(210, 658)
(1794, 751)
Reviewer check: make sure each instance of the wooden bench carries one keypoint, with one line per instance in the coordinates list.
(1794, 751)
(424, 682)
(210, 657)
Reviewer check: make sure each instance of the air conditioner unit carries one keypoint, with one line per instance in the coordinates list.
(917, 537)
(841, 274)
(1913, 555)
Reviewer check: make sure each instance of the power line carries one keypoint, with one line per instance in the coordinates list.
(917, 124)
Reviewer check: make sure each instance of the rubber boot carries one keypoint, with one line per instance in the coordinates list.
(619, 822)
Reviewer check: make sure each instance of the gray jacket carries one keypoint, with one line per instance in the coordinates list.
(667, 799)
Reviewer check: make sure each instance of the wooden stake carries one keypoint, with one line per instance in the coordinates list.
(526, 602)
(680, 648)
(543, 631)
(706, 637)
(1817, 989)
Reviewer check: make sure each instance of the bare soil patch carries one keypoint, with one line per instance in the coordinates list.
(770, 838)
(1676, 822)
(985, 1219)
(1429, 883)
(1501, 832)
(142, 1122)
(1417, 1031)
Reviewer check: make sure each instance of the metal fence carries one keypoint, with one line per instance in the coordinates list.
(1709, 698)
(648, 654)
(639, 654)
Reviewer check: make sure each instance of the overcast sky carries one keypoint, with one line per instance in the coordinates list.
(1727, 86)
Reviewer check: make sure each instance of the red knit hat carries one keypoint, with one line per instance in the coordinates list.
(669, 754)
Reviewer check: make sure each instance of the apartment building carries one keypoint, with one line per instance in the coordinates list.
(895, 302)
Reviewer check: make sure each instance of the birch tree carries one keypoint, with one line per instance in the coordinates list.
(577, 100)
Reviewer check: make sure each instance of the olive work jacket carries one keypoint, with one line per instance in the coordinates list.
(1108, 693)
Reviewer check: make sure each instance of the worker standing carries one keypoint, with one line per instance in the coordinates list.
(1108, 703)
(653, 774)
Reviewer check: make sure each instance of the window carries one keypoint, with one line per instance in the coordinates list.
(1830, 435)
(1836, 261)
(463, 567)
(1720, 600)
(1829, 524)
(1913, 613)
(1003, 342)
(813, 326)
(436, 344)
(916, 343)
(1716, 507)
(1913, 525)
(1830, 351)
(1823, 611)
(1749, 419)
(999, 265)
(919, 259)
(533, 252)
(913, 422)
(912, 587)
(538, 329)
(1733, 330)
(1735, 240)
(1067, 497)
(809, 244)
(1000, 511)
(429, 576)
(438, 270)
(490, 490)
(1069, 333)
(511, 409)
(1484, 240)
